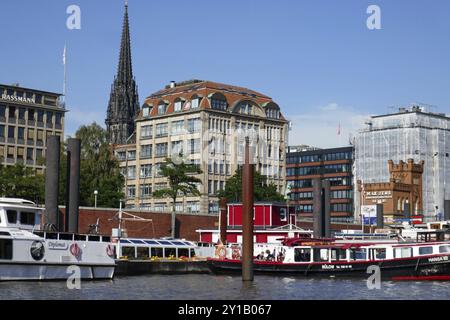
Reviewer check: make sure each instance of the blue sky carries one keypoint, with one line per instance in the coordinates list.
(316, 59)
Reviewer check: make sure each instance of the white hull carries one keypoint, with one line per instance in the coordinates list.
(34, 272)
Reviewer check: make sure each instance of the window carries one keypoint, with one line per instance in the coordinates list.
(321, 255)
(380, 254)
(146, 132)
(146, 110)
(195, 103)
(425, 250)
(129, 252)
(40, 135)
(146, 171)
(162, 109)
(213, 207)
(146, 151)
(283, 214)
(131, 191)
(12, 113)
(6, 249)
(403, 252)
(30, 115)
(194, 146)
(2, 111)
(11, 132)
(193, 207)
(49, 118)
(146, 190)
(302, 255)
(161, 130)
(40, 116)
(177, 127)
(58, 119)
(444, 249)
(178, 105)
(22, 114)
(157, 252)
(121, 155)
(142, 252)
(161, 149)
(358, 254)
(30, 154)
(131, 172)
(2, 131)
(160, 207)
(193, 125)
(12, 216)
(27, 218)
(218, 103)
(177, 147)
(132, 155)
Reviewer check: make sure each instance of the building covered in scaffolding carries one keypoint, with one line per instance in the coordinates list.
(411, 133)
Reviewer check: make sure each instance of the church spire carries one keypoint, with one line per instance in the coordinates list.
(123, 104)
(125, 69)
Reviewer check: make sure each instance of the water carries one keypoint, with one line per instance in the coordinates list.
(208, 287)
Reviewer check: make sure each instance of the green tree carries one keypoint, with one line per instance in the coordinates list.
(263, 191)
(21, 182)
(99, 170)
(181, 183)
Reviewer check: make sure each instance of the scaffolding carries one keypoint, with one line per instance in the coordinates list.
(412, 133)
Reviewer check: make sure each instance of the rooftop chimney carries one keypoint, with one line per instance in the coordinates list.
(173, 84)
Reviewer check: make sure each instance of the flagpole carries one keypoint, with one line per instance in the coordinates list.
(65, 72)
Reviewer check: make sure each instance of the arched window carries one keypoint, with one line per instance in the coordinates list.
(219, 102)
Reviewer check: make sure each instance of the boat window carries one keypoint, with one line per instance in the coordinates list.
(6, 249)
(27, 218)
(2, 233)
(12, 216)
(320, 255)
(137, 241)
(157, 252)
(167, 243)
(302, 255)
(94, 238)
(51, 235)
(169, 252)
(128, 252)
(80, 237)
(65, 236)
(106, 239)
(183, 253)
(124, 241)
(177, 243)
(150, 242)
(403, 252)
(338, 254)
(142, 253)
(444, 249)
(425, 250)
(380, 254)
(358, 254)
(192, 253)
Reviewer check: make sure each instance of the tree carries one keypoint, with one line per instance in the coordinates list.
(99, 170)
(181, 182)
(21, 182)
(263, 191)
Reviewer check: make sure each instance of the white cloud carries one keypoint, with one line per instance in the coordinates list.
(320, 128)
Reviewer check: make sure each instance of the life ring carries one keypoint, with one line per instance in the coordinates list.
(221, 252)
(110, 250)
(236, 253)
(75, 250)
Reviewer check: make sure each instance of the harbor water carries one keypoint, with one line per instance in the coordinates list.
(208, 287)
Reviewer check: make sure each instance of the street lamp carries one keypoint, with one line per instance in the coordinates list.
(95, 196)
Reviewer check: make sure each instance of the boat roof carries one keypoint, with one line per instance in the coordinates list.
(158, 242)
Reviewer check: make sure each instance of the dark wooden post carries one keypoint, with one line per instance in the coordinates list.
(247, 215)
(223, 220)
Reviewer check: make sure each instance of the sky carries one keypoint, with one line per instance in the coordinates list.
(317, 59)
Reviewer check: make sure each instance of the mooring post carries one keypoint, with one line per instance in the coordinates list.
(326, 209)
(52, 180)
(223, 220)
(247, 215)
(74, 147)
(317, 208)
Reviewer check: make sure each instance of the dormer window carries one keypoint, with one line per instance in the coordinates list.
(162, 108)
(146, 110)
(195, 102)
(219, 102)
(178, 105)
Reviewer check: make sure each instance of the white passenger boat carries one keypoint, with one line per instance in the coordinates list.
(29, 254)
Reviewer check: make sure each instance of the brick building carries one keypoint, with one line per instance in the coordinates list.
(402, 195)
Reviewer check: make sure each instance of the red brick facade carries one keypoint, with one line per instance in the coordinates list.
(159, 227)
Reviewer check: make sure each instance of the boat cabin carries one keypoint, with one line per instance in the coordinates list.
(19, 214)
(142, 249)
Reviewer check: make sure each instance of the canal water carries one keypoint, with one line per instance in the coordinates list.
(207, 287)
